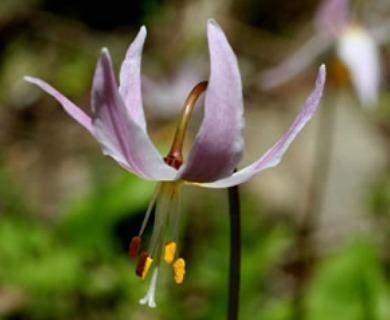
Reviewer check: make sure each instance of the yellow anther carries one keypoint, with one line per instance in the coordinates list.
(143, 265)
(169, 252)
(179, 270)
(147, 265)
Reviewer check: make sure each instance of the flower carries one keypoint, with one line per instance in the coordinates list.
(356, 47)
(118, 124)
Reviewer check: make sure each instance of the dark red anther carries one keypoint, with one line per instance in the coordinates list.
(141, 264)
(135, 246)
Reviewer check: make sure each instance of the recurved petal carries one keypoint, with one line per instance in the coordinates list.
(74, 111)
(130, 79)
(219, 143)
(120, 136)
(273, 156)
(297, 62)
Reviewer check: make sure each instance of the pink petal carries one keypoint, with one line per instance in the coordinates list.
(219, 143)
(74, 111)
(120, 136)
(274, 155)
(130, 79)
(297, 62)
(332, 16)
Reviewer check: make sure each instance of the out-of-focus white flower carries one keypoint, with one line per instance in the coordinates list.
(355, 45)
(359, 52)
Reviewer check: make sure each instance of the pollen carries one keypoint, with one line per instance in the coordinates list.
(135, 246)
(169, 252)
(179, 270)
(143, 265)
(148, 263)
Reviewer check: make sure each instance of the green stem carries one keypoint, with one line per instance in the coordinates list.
(235, 253)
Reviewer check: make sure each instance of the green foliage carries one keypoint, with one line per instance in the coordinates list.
(277, 309)
(11, 199)
(74, 73)
(30, 254)
(75, 266)
(91, 219)
(350, 284)
(75, 269)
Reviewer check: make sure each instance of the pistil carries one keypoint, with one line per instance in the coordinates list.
(175, 155)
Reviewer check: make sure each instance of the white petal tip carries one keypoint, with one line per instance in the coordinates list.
(143, 30)
(28, 79)
(33, 80)
(105, 51)
(323, 68)
(212, 24)
(321, 78)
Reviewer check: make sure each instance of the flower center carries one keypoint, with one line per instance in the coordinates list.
(166, 202)
(175, 155)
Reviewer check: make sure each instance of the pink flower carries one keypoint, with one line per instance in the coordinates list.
(118, 124)
(356, 47)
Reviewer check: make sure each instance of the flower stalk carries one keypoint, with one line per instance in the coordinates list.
(235, 253)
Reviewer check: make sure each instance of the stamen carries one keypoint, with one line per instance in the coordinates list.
(148, 263)
(179, 270)
(175, 215)
(150, 208)
(135, 246)
(149, 298)
(163, 208)
(143, 265)
(175, 156)
(169, 252)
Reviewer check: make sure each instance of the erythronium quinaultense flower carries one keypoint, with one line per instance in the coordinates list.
(356, 47)
(118, 124)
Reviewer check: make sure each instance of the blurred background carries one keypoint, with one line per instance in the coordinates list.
(315, 229)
